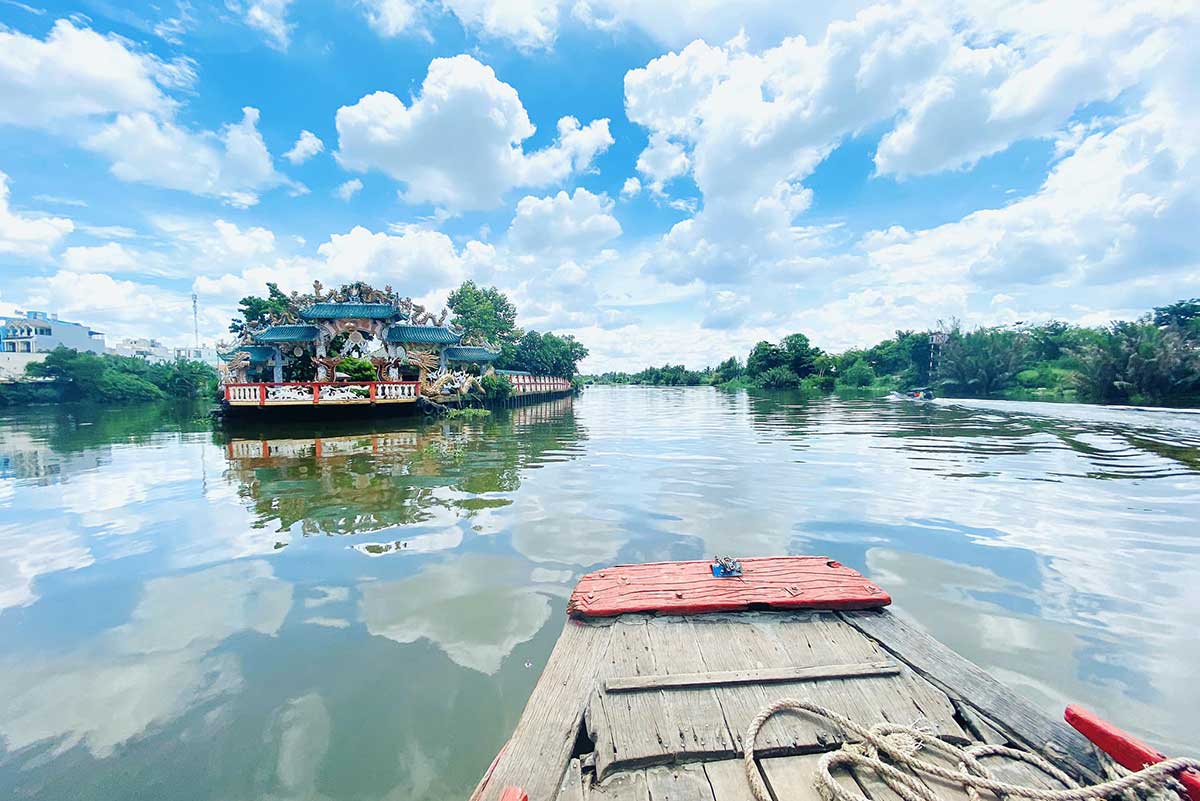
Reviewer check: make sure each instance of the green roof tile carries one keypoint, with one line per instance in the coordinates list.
(288, 333)
(471, 353)
(424, 334)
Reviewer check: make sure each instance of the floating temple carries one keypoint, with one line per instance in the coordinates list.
(299, 358)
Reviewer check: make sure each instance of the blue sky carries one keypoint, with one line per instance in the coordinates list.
(667, 180)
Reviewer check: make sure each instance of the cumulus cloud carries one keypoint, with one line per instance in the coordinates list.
(77, 73)
(307, 145)
(582, 221)
(661, 161)
(631, 188)
(28, 236)
(233, 165)
(392, 17)
(458, 144)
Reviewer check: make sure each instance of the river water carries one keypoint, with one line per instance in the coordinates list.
(268, 614)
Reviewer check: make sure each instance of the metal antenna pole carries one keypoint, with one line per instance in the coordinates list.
(195, 322)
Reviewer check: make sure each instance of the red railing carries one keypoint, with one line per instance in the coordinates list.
(291, 393)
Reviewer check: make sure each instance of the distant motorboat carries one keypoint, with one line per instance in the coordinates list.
(916, 393)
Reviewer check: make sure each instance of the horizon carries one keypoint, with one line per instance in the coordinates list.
(667, 182)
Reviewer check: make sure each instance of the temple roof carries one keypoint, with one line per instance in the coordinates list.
(344, 311)
(258, 353)
(433, 334)
(470, 353)
(288, 333)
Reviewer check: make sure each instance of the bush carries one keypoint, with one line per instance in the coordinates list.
(120, 387)
(779, 378)
(858, 374)
(357, 369)
(496, 387)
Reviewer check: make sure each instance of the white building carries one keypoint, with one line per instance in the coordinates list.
(201, 354)
(139, 347)
(39, 332)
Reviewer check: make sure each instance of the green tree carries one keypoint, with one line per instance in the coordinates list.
(256, 312)
(859, 374)
(984, 361)
(546, 354)
(1139, 362)
(763, 357)
(484, 313)
(799, 354)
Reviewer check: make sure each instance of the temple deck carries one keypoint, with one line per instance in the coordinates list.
(651, 707)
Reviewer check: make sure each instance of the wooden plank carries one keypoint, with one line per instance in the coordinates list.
(788, 582)
(978, 725)
(757, 676)
(571, 788)
(793, 778)
(966, 682)
(727, 778)
(699, 722)
(625, 786)
(1016, 772)
(540, 748)
(678, 783)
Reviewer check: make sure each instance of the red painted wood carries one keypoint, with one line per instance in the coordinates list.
(513, 794)
(262, 394)
(782, 582)
(1127, 750)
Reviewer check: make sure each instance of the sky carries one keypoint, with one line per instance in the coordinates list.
(669, 181)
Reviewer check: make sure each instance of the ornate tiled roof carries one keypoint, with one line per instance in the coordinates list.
(258, 353)
(344, 311)
(425, 334)
(470, 353)
(288, 333)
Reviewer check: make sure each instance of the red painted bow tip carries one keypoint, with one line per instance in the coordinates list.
(1128, 751)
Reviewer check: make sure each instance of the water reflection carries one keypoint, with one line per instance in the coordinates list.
(359, 612)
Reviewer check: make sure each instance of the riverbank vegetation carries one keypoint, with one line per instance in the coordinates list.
(1152, 360)
(68, 375)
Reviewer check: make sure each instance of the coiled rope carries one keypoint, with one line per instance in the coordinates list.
(900, 745)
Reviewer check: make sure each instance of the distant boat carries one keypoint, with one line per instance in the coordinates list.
(916, 393)
(666, 674)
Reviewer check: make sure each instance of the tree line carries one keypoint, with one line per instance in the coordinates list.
(68, 375)
(1152, 360)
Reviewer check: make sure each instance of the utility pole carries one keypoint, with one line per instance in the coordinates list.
(195, 322)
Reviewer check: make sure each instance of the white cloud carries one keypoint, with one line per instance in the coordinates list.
(525, 23)
(458, 144)
(392, 17)
(112, 257)
(582, 221)
(77, 73)
(349, 189)
(270, 17)
(418, 261)
(661, 161)
(307, 145)
(631, 188)
(233, 165)
(32, 237)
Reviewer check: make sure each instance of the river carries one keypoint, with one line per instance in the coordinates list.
(268, 614)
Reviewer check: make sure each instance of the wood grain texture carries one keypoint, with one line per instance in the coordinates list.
(678, 783)
(757, 676)
(539, 751)
(727, 778)
(571, 788)
(967, 683)
(788, 582)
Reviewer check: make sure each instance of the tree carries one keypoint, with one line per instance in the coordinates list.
(799, 354)
(546, 354)
(859, 374)
(1140, 362)
(1183, 313)
(484, 314)
(256, 312)
(779, 377)
(763, 357)
(984, 361)
(357, 369)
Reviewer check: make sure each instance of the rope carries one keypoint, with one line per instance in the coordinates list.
(900, 745)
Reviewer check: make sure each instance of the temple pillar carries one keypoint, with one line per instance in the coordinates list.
(277, 370)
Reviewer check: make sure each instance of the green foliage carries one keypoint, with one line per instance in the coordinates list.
(497, 387)
(727, 371)
(484, 314)
(545, 354)
(357, 369)
(256, 311)
(469, 413)
(70, 375)
(779, 377)
(763, 357)
(1139, 362)
(859, 374)
(1182, 313)
(799, 354)
(984, 361)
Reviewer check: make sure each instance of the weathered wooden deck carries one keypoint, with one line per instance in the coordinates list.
(648, 707)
